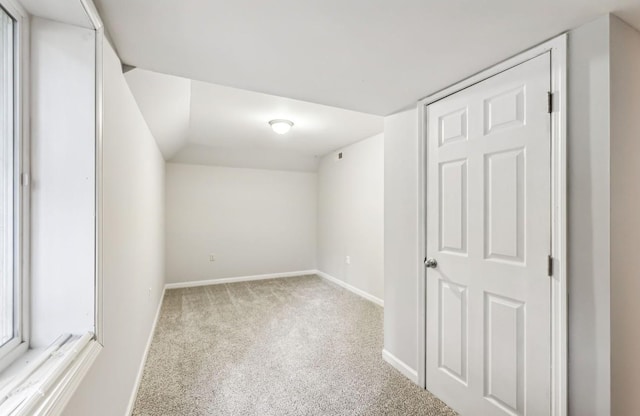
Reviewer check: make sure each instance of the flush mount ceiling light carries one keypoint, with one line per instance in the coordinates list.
(281, 126)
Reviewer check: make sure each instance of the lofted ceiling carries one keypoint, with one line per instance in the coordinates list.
(374, 56)
(165, 103)
(202, 123)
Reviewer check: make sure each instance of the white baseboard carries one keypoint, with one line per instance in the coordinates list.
(324, 275)
(350, 288)
(399, 365)
(136, 386)
(238, 279)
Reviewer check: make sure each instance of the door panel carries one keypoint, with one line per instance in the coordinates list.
(489, 228)
(504, 110)
(453, 326)
(453, 126)
(504, 205)
(453, 211)
(504, 352)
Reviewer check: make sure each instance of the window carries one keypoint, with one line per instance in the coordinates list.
(34, 312)
(10, 318)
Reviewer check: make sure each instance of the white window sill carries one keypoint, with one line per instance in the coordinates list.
(41, 382)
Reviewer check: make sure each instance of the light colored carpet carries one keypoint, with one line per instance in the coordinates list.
(290, 346)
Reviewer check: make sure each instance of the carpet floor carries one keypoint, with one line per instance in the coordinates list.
(289, 346)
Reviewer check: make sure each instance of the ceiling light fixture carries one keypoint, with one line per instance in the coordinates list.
(281, 126)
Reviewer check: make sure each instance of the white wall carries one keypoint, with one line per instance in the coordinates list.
(588, 219)
(625, 218)
(62, 197)
(401, 257)
(133, 248)
(350, 215)
(253, 221)
(588, 199)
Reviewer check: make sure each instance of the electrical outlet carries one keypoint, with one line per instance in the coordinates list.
(212, 257)
(347, 260)
(149, 292)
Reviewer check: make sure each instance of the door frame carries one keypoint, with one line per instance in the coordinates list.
(557, 47)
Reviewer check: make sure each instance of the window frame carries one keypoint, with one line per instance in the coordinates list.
(20, 343)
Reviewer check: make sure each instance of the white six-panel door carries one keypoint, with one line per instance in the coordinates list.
(489, 229)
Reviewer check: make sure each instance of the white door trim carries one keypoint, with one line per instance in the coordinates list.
(558, 49)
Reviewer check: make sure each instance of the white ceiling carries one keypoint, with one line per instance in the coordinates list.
(202, 123)
(375, 56)
(164, 101)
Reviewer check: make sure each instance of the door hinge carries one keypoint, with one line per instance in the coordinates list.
(549, 102)
(550, 266)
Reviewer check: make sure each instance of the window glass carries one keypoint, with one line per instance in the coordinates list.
(8, 285)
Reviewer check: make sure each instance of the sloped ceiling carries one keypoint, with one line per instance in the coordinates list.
(165, 102)
(201, 123)
(373, 56)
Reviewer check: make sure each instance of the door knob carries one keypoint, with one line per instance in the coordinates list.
(431, 263)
